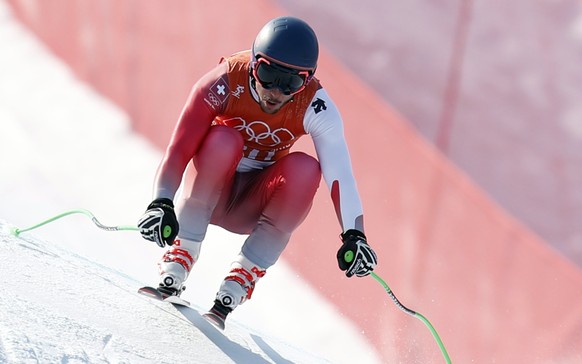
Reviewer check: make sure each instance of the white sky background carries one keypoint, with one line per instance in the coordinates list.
(63, 147)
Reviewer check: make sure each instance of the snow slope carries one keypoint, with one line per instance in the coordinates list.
(63, 147)
(58, 307)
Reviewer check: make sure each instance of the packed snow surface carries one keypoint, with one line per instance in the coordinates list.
(59, 307)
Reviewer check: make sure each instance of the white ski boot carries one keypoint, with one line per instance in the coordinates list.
(176, 265)
(236, 288)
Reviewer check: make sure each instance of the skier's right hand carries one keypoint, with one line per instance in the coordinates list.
(159, 223)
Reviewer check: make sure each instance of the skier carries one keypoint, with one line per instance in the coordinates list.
(230, 150)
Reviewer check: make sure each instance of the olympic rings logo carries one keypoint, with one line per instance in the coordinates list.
(260, 132)
(213, 100)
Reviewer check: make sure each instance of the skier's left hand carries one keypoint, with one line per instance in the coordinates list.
(355, 256)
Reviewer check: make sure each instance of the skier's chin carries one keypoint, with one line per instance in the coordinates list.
(271, 107)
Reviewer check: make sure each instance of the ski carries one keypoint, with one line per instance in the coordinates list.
(215, 319)
(153, 293)
(217, 315)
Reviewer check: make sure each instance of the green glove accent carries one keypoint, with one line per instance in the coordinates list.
(167, 231)
(349, 256)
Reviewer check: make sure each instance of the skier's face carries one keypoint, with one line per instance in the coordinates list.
(271, 100)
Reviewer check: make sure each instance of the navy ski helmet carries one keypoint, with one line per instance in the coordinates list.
(289, 42)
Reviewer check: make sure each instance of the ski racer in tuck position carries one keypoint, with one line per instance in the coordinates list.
(231, 150)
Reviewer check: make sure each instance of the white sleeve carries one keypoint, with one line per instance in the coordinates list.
(325, 125)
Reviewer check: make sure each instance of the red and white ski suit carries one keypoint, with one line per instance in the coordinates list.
(235, 168)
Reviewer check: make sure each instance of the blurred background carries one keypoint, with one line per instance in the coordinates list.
(464, 120)
(496, 86)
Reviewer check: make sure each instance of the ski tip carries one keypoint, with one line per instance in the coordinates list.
(215, 320)
(150, 292)
(154, 293)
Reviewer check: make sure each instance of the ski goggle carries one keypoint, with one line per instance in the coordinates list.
(271, 75)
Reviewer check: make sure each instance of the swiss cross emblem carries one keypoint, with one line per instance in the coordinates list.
(219, 92)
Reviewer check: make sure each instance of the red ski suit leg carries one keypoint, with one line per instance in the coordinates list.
(268, 204)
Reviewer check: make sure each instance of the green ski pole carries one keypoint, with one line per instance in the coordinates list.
(17, 231)
(415, 314)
